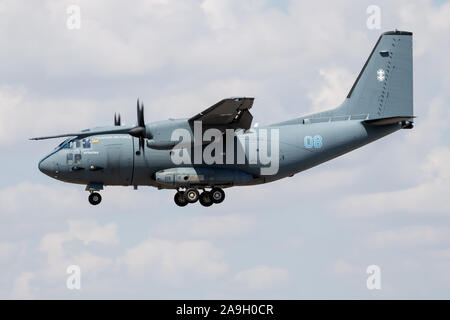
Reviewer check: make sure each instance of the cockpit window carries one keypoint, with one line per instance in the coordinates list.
(64, 145)
(75, 143)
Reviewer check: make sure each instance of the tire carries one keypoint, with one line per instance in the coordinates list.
(95, 198)
(191, 195)
(206, 199)
(217, 194)
(179, 199)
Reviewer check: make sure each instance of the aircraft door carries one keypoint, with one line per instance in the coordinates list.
(143, 160)
(119, 161)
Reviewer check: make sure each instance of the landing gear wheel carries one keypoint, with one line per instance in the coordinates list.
(95, 198)
(191, 195)
(179, 199)
(206, 199)
(218, 195)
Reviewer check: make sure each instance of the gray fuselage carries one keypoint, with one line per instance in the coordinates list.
(116, 159)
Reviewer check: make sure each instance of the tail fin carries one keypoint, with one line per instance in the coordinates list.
(384, 87)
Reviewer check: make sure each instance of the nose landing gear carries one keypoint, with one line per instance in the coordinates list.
(95, 198)
(206, 198)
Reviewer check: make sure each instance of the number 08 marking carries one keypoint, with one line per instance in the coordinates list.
(313, 142)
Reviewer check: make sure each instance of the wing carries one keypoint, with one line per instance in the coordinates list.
(89, 132)
(231, 113)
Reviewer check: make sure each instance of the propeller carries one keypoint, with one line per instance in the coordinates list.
(140, 130)
(117, 121)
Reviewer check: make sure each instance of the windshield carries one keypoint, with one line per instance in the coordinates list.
(75, 143)
(64, 144)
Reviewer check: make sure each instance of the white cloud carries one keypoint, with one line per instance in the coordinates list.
(22, 288)
(442, 254)
(87, 232)
(91, 263)
(219, 13)
(415, 13)
(6, 251)
(294, 242)
(60, 200)
(208, 227)
(38, 197)
(175, 260)
(262, 277)
(23, 116)
(410, 236)
(429, 197)
(430, 124)
(343, 267)
(338, 82)
(204, 96)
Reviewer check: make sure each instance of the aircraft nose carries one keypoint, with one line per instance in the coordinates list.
(47, 166)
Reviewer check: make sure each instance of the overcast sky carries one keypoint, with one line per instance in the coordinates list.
(310, 236)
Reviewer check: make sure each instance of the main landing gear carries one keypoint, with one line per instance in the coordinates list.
(192, 195)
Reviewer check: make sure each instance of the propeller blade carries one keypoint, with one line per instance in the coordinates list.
(140, 114)
(117, 121)
(141, 144)
(137, 109)
(140, 131)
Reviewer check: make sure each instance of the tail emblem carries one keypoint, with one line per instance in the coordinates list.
(380, 75)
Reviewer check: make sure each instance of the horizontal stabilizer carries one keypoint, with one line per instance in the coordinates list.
(385, 121)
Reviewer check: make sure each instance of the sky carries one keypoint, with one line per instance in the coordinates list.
(306, 237)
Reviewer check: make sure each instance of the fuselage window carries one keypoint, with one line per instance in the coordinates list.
(70, 158)
(77, 158)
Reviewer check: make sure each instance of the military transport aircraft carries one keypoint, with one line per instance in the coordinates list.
(218, 148)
